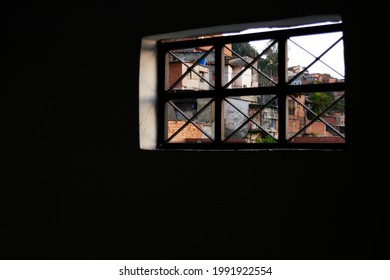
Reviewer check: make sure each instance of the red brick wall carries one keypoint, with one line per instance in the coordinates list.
(190, 131)
(175, 72)
(318, 140)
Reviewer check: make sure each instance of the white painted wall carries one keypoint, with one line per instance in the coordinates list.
(148, 95)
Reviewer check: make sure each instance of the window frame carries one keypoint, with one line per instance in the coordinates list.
(282, 89)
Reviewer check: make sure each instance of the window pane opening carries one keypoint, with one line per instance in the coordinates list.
(253, 89)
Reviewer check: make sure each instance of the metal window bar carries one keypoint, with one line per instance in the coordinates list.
(189, 120)
(330, 67)
(249, 65)
(190, 69)
(317, 117)
(250, 119)
(315, 60)
(281, 90)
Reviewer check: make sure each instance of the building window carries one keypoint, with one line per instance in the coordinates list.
(256, 89)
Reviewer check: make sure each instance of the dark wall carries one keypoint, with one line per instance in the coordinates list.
(77, 186)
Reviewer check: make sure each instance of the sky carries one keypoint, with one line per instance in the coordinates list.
(313, 46)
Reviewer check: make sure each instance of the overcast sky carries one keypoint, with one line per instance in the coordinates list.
(313, 46)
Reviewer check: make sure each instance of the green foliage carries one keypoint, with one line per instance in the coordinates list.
(266, 139)
(266, 65)
(318, 102)
(245, 49)
(269, 65)
(339, 106)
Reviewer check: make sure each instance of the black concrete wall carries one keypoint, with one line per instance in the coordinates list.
(77, 186)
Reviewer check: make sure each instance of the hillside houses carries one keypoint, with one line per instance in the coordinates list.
(247, 118)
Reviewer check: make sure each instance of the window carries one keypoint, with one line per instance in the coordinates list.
(256, 89)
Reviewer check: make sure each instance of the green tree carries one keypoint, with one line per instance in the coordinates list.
(318, 102)
(339, 106)
(245, 49)
(269, 62)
